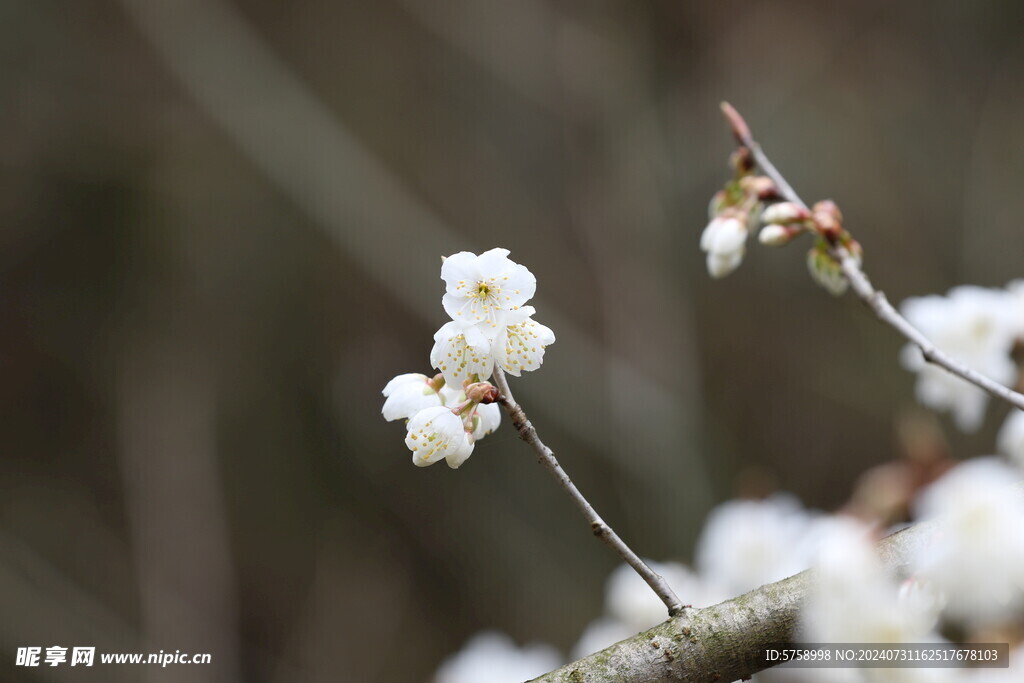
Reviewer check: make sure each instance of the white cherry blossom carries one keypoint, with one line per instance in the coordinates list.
(854, 600)
(479, 288)
(407, 395)
(977, 327)
(460, 352)
(976, 555)
(520, 341)
(748, 543)
(436, 433)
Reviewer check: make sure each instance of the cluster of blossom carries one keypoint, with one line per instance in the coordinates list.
(978, 327)
(490, 327)
(969, 572)
(746, 200)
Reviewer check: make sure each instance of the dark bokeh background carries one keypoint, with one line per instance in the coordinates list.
(220, 232)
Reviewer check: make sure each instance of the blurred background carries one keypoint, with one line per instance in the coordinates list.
(221, 224)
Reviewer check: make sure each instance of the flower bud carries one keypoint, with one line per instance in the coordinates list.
(482, 392)
(828, 219)
(827, 206)
(775, 235)
(825, 271)
(742, 160)
(724, 241)
(784, 213)
(759, 186)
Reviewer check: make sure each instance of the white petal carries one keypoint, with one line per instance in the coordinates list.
(407, 395)
(451, 396)
(521, 346)
(404, 404)
(488, 419)
(407, 378)
(729, 237)
(460, 352)
(458, 268)
(774, 236)
(720, 265)
(461, 454)
(493, 261)
(707, 236)
(433, 434)
(520, 285)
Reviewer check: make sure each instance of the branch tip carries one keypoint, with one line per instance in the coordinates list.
(740, 129)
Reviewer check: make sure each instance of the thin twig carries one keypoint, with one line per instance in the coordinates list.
(600, 528)
(874, 298)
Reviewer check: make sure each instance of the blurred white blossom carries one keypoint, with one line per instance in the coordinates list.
(1012, 674)
(724, 239)
(977, 327)
(976, 554)
(1010, 440)
(854, 600)
(492, 657)
(748, 543)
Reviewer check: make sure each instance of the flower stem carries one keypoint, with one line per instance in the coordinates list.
(862, 287)
(600, 528)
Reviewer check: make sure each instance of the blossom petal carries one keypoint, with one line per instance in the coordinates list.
(400, 380)
(458, 268)
(407, 395)
(460, 454)
(402, 405)
(730, 237)
(460, 352)
(433, 434)
(488, 417)
(493, 261)
(520, 346)
(720, 265)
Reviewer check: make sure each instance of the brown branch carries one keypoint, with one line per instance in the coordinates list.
(859, 282)
(600, 528)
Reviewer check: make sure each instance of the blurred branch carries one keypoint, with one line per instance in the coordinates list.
(725, 642)
(874, 298)
(600, 528)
